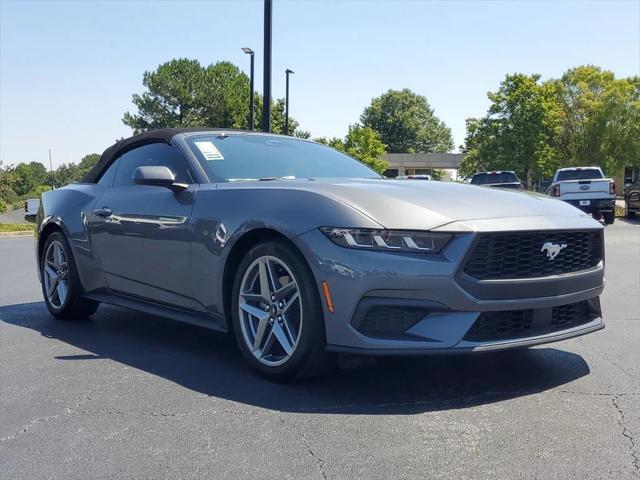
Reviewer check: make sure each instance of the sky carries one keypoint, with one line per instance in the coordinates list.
(68, 69)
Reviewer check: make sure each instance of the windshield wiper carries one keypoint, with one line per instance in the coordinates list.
(268, 179)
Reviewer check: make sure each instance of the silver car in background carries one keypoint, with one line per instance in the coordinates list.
(302, 252)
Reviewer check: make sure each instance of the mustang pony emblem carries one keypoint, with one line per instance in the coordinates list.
(552, 249)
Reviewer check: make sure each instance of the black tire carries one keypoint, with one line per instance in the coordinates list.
(609, 217)
(74, 306)
(309, 357)
(597, 215)
(629, 214)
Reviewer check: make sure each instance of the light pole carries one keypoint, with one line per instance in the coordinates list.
(286, 103)
(248, 51)
(266, 82)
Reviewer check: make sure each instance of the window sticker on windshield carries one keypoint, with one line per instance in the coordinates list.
(209, 150)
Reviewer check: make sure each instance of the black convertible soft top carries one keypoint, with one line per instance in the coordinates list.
(154, 136)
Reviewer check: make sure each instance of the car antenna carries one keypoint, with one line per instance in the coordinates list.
(53, 186)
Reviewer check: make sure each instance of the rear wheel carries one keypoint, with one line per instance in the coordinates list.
(277, 314)
(60, 283)
(628, 213)
(609, 217)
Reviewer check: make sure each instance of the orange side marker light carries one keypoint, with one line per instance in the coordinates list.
(327, 296)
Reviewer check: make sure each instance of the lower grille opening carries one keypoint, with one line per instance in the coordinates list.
(514, 324)
(389, 322)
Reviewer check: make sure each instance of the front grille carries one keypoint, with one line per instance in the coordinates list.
(383, 321)
(508, 255)
(514, 324)
(500, 325)
(567, 316)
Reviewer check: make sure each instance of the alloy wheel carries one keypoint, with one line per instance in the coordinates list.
(270, 310)
(55, 271)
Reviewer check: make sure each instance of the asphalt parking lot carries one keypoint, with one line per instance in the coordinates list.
(126, 395)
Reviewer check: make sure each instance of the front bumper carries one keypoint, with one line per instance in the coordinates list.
(359, 280)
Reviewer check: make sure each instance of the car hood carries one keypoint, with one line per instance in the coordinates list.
(420, 205)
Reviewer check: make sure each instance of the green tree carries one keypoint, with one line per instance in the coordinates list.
(67, 173)
(518, 132)
(74, 172)
(183, 93)
(363, 144)
(27, 179)
(87, 163)
(8, 180)
(406, 123)
(277, 117)
(600, 118)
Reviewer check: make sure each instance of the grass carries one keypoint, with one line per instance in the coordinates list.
(16, 227)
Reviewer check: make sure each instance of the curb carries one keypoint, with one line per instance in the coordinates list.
(25, 233)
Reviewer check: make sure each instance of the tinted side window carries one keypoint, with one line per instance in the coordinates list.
(155, 154)
(107, 177)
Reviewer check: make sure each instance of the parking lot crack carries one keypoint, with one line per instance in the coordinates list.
(625, 433)
(70, 410)
(31, 424)
(599, 394)
(318, 460)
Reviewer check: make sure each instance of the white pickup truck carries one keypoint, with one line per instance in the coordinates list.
(587, 189)
(31, 207)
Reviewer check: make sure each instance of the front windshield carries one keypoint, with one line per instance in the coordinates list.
(239, 157)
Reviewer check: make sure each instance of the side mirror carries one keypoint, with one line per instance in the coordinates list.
(157, 176)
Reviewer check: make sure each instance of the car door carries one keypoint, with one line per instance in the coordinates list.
(141, 233)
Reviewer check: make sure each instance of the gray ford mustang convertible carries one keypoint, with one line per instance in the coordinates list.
(302, 251)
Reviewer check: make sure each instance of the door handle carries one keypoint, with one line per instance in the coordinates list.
(102, 212)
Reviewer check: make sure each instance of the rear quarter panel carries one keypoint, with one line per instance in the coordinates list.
(67, 209)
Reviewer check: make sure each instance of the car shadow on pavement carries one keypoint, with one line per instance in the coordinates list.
(209, 362)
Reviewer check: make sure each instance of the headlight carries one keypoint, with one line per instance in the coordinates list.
(387, 240)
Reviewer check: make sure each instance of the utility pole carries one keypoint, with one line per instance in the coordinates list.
(248, 51)
(266, 102)
(286, 103)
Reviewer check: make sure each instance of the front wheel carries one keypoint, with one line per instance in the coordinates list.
(609, 217)
(60, 282)
(277, 314)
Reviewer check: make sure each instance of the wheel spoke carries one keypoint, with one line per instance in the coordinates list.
(255, 297)
(62, 291)
(254, 311)
(283, 292)
(287, 330)
(260, 332)
(282, 338)
(50, 271)
(290, 302)
(53, 284)
(268, 343)
(58, 255)
(266, 284)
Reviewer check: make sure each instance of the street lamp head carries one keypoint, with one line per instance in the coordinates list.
(247, 50)
(287, 71)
